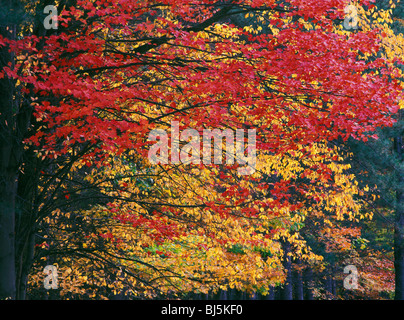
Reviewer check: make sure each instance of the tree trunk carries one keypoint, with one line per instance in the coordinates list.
(328, 285)
(399, 247)
(24, 267)
(399, 223)
(271, 294)
(334, 288)
(287, 292)
(223, 295)
(16, 246)
(308, 275)
(299, 285)
(9, 161)
(26, 215)
(7, 246)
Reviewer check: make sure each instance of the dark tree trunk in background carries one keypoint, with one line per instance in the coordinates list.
(25, 220)
(271, 294)
(308, 279)
(299, 285)
(287, 292)
(334, 288)
(328, 285)
(223, 295)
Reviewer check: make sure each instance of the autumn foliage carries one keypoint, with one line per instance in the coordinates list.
(115, 70)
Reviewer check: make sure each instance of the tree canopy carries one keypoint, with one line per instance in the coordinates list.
(82, 100)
